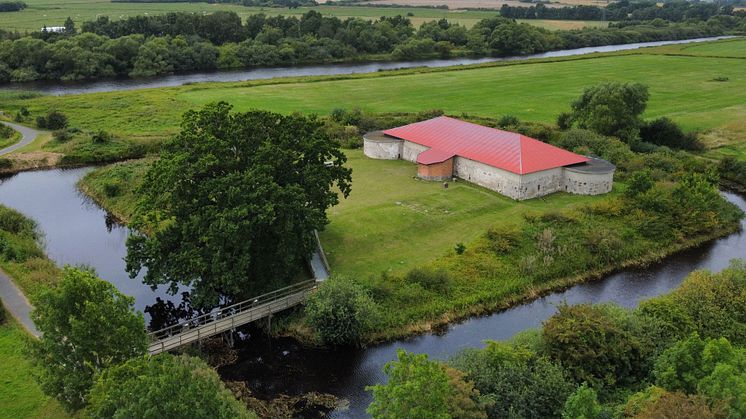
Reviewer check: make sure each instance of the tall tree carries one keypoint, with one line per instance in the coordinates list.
(86, 326)
(230, 207)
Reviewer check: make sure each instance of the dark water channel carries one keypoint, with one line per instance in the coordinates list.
(57, 88)
(78, 231)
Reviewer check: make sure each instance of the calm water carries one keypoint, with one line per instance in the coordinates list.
(77, 231)
(68, 88)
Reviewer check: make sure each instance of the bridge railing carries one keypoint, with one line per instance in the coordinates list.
(232, 310)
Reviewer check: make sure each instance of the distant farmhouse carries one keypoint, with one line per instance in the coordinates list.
(512, 164)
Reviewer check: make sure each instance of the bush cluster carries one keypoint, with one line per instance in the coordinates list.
(341, 312)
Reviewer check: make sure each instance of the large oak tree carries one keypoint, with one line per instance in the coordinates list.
(230, 207)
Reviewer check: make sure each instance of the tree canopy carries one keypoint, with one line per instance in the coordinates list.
(163, 386)
(420, 388)
(86, 325)
(612, 109)
(230, 207)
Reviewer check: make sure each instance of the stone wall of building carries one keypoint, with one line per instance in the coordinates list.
(411, 150)
(536, 184)
(386, 149)
(490, 177)
(581, 183)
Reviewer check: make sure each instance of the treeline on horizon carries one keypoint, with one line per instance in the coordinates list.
(248, 3)
(145, 46)
(674, 11)
(11, 6)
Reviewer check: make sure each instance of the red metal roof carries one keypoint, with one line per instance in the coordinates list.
(434, 155)
(502, 149)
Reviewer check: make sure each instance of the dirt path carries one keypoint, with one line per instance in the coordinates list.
(28, 135)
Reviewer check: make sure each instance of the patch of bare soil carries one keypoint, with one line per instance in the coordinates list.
(32, 161)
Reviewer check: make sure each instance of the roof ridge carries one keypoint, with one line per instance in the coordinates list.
(520, 153)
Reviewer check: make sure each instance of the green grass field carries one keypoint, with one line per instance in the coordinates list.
(393, 221)
(535, 91)
(20, 396)
(54, 12)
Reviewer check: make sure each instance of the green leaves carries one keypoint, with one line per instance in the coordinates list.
(612, 109)
(231, 205)
(86, 326)
(164, 386)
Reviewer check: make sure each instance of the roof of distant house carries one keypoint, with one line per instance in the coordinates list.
(517, 153)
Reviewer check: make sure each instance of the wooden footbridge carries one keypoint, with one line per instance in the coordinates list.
(228, 318)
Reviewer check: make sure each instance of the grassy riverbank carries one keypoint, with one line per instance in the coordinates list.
(396, 235)
(22, 258)
(705, 93)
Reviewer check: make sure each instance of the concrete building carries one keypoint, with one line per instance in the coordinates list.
(510, 163)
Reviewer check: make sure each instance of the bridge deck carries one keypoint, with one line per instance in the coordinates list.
(229, 318)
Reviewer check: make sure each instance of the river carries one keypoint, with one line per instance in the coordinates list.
(58, 88)
(77, 231)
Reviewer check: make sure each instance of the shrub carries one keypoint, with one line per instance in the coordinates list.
(112, 189)
(503, 239)
(437, 280)
(41, 122)
(5, 163)
(582, 404)
(61, 135)
(460, 248)
(518, 383)
(14, 222)
(101, 137)
(593, 345)
(341, 312)
(2, 313)
(663, 131)
(507, 121)
(564, 120)
(420, 388)
(55, 120)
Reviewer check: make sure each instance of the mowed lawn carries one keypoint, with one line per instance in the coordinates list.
(393, 221)
(682, 88)
(20, 396)
(54, 12)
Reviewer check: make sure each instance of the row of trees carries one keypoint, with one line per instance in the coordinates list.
(177, 42)
(680, 355)
(673, 11)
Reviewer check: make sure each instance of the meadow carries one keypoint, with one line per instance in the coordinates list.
(53, 13)
(700, 93)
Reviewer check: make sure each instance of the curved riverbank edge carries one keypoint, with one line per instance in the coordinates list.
(304, 336)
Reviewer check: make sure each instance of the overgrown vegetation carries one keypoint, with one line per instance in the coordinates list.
(678, 355)
(341, 312)
(165, 385)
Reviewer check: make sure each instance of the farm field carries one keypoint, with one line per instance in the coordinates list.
(535, 91)
(53, 13)
(476, 4)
